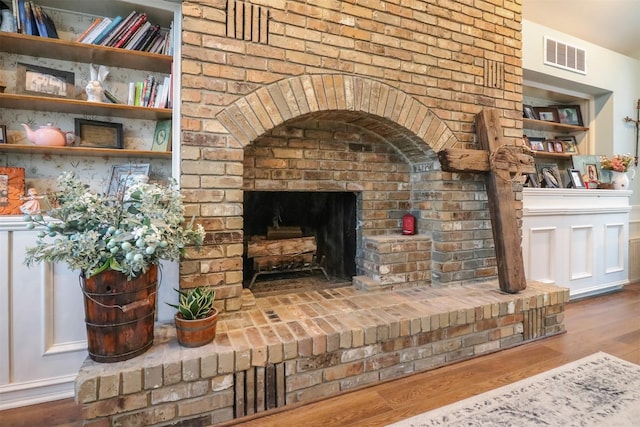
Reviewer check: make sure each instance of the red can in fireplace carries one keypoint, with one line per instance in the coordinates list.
(408, 224)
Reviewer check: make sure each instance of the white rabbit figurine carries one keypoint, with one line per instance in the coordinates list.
(95, 90)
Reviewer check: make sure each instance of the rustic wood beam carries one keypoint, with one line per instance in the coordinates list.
(477, 161)
(504, 223)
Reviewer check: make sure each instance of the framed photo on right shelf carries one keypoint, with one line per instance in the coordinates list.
(569, 143)
(569, 115)
(547, 114)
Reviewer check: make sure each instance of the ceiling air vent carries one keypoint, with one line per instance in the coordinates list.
(565, 56)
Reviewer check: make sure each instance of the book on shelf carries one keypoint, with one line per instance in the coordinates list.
(111, 97)
(30, 27)
(137, 100)
(39, 17)
(130, 31)
(90, 28)
(162, 136)
(104, 23)
(107, 41)
(21, 17)
(140, 32)
(148, 37)
(107, 30)
(51, 26)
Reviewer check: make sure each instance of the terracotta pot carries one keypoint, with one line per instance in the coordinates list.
(119, 314)
(198, 332)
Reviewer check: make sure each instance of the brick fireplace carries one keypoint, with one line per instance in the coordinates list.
(334, 99)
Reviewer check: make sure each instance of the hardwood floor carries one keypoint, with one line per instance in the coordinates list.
(609, 323)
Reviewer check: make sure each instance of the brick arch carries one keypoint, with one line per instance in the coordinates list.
(390, 112)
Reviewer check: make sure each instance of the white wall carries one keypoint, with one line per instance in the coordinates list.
(612, 82)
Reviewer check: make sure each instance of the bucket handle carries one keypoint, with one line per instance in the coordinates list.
(124, 308)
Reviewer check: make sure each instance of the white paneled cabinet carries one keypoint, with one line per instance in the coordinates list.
(42, 331)
(578, 239)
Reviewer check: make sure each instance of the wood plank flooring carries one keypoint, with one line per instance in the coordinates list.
(609, 323)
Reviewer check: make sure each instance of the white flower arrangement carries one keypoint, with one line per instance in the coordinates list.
(127, 232)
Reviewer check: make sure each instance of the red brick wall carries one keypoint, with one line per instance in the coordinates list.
(414, 73)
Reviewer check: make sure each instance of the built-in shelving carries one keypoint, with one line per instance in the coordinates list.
(43, 47)
(76, 106)
(551, 126)
(82, 151)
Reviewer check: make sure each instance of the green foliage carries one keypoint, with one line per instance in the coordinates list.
(195, 303)
(126, 232)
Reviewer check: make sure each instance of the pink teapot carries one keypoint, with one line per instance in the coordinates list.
(49, 135)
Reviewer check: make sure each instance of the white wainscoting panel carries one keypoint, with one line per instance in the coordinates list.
(43, 331)
(580, 252)
(614, 247)
(542, 263)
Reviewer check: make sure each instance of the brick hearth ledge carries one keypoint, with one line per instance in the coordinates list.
(302, 347)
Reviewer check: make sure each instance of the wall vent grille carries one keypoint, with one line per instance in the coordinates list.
(565, 56)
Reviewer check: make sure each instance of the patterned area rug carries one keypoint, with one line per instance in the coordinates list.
(599, 390)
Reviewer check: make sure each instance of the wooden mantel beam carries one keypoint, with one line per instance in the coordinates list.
(477, 161)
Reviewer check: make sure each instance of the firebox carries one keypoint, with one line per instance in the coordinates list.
(323, 222)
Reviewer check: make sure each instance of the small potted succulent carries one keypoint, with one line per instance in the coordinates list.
(197, 318)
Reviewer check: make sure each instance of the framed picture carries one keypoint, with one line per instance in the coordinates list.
(528, 112)
(11, 189)
(592, 172)
(123, 175)
(581, 162)
(569, 143)
(91, 133)
(536, 143)
(162, 136)
(42, 81)
(558, 146)
(548, 114)
(531, 180)
(549, 175)
(3, 134)
(569, 115)
(551, 147)
(575, 178)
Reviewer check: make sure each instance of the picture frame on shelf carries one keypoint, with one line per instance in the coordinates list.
(529, 113)
(123, 175)
(551, 147)
(93, 133)
(3, 134)
(558, 146)
(581, 162)
(547, 114)
(531, 180)
(549, 175)
(11, 189)
(536, 143)
(592, 172)
(570, 115)
(162, 136)
(575, 178)
(569, 143)
(43, 81)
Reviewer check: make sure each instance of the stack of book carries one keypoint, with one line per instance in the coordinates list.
(32, 20)
(152, 92)
(132, 32)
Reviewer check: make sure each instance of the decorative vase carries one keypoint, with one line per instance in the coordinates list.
(119, 314)
(620, 180)
(197, 332)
